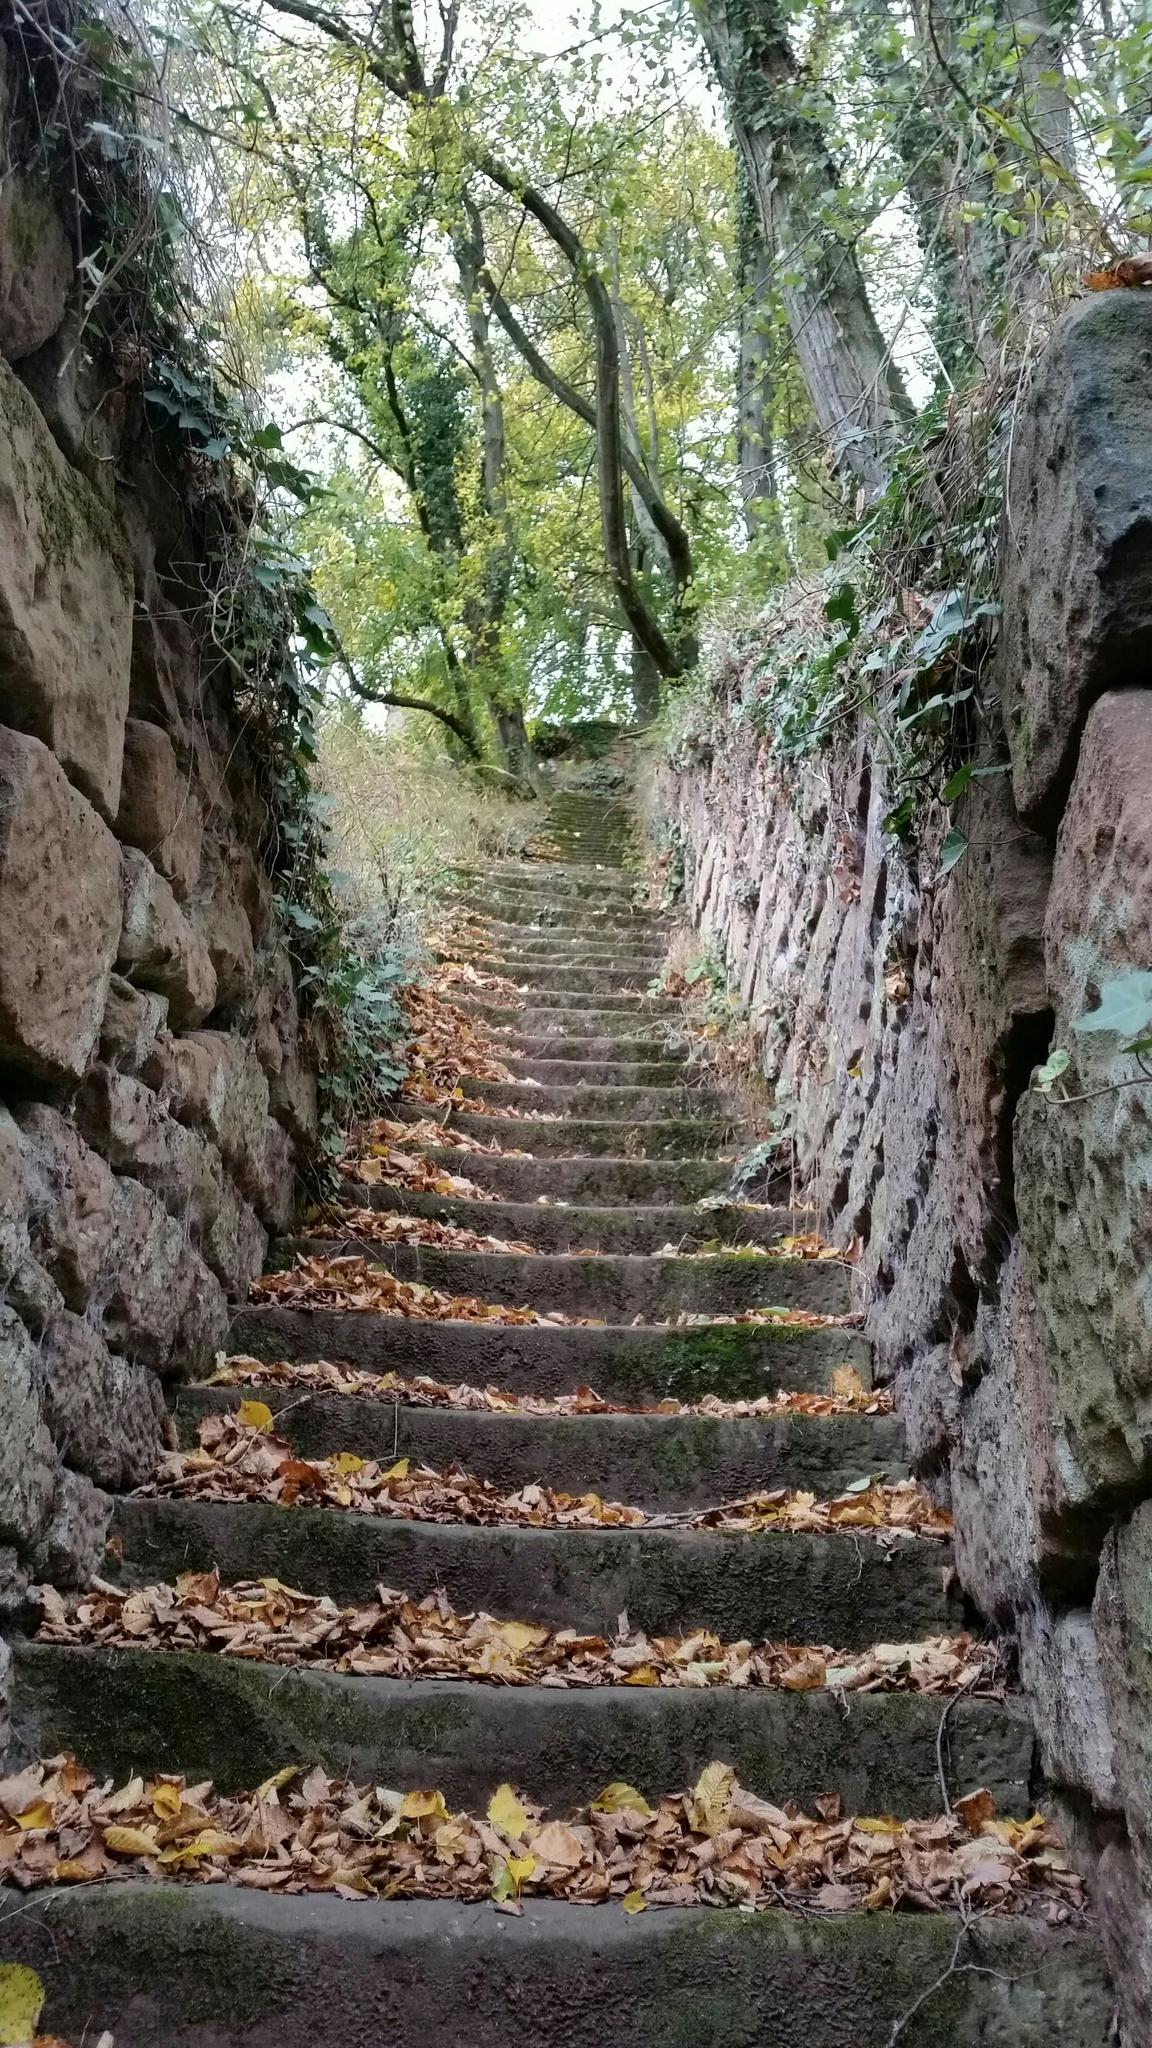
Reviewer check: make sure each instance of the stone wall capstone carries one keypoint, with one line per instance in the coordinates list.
(1007, 1269)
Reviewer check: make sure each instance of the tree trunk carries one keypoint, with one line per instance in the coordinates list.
(755, 454)
(857, 394)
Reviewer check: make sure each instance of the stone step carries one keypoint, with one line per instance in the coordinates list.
(602, 1009)
(237, 1722)
(655, 1462)
(596, 930)
(616, 1049)
(510, 910)
(551, 883)
(613, 1288)
(619, 1102)
(600, 1073)
(579, 979)
(738, 1361)
(216, 1966)
(841, 1588)
(562, 1227)
(603, 1181)
(601, 946)
(576, 1137)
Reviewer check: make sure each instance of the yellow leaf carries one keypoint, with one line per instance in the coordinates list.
(167, 1801)
(130, 1841)
(634, 1902)
(38, 1815)
(423, 1806)
(21, 2002)
(254, 1415)
(506, 1813)
(274, 1783)
(346, 1463)
(209, 1842)
(644, 1674)
(520, 1635)
(846, 1381)
(620, 1798)
(711, 1798)
(399, 1470)
(520, 1868)
(877, 1827)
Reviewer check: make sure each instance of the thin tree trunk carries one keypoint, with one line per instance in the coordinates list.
(857, 394)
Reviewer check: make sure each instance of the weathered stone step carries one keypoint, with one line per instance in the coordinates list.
(601, 946)
(840, 1588)
(574, 1137)
(596, 930)
(600, 1073)
(216, 1966)
(580, 979)
(620, 1102)
(735, 1360)
(616, 1048)
(656, 1462)
(601, 1011)
(508, 910)
(562, 1227)
(236, 1722)
(600, 1180)
(550, 884)
(614, 1288)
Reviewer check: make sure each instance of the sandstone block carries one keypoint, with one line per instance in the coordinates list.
(1122, 1613)
(159, 949)
(133, 1019)
(59, 911)
(159, 809)
(27, 1458)
(278, 1038)
(223, 921)
(1083, 1170)
(106, 1415)
(1077, 574)
(35, 266)
(163, 1308)
(71, 1203)
(65, 604)
(1061, 1669)
(78, 1531)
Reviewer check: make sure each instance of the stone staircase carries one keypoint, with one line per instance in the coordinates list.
(640, 1141)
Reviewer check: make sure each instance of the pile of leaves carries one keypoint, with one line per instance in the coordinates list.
(356, 1284)
(237, 1458)
(445, 1046)
(462, 976)
(396, 1636)
(810, 1246)
(477, 1106)
(326, 1376)
(715, 1845)
(393, 1168)
(22, 2000)
(385, 1226)
(371, 1146)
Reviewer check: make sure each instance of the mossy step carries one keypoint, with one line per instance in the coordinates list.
(616, 1048)
(657, 1021)
(580, 979)
(612, 1287)
(597, 929)
(599, 1073)
(621, 1101)
(552, 884)
(571, 1137)
(507, 911)
(656, 1462)
(842, 1588)
(601, 1180)
(738, 1361)
(563, 1227)
(219, 1966)
(220, 1717)
(601, 946)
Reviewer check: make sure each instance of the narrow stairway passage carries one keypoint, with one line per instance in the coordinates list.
(566, 1596)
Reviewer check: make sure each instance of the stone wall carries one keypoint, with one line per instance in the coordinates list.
(1007, 1271)
(155, 1090)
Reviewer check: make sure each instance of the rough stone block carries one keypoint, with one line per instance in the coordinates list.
(106, 1415)
(71, 1203)
(59, 911)
(1084, 1169)
(1077, 561)
(277, 1037)
(1060, 1667)
(159, 948)
(36, 266)
(224, 923)
(78, 1531)
(215, 1083)
(133, 1019)
(1122, 1613)
(27, 1458)
(159, 809)
(65, 604)
(164, 1308)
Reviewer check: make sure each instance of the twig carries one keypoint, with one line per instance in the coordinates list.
(941, 1772)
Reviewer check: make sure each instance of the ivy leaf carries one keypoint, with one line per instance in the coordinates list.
(1125, 1006)
(1045, 1077)
(954, 848)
